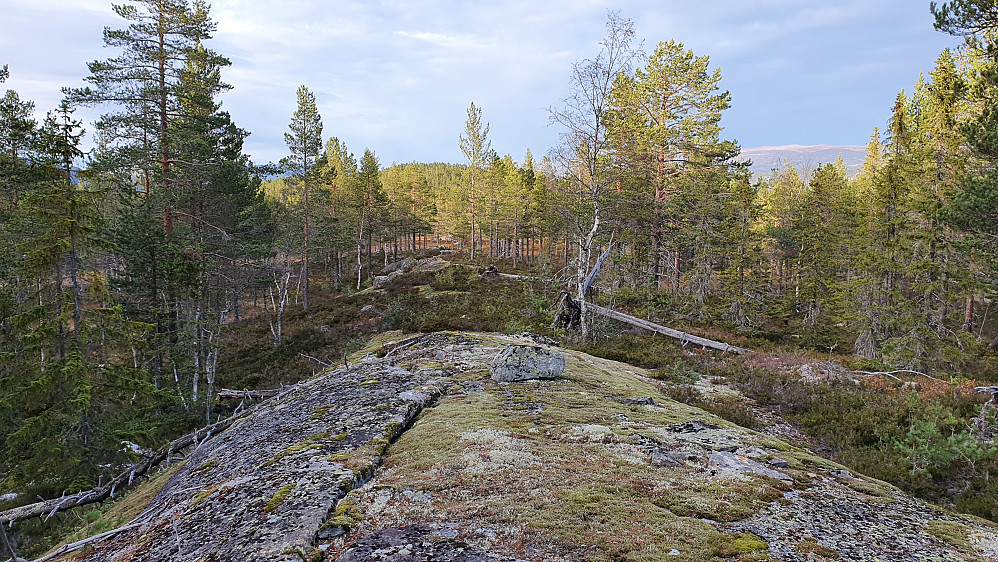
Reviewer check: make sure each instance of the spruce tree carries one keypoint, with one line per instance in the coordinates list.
(973, 206)
(70, 393)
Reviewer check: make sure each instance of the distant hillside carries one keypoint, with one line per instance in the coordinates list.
(766, 158)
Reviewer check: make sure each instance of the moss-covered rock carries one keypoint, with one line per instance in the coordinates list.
(419, 452)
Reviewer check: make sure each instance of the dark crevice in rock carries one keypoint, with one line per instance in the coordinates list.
(418, 401)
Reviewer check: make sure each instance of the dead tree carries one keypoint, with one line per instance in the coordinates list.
(568, 313)
(985, 430)
(683, 337)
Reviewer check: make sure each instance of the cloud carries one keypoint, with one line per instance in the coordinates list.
(396, 76)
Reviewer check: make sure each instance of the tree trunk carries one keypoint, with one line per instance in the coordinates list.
(305, 273)
(339, 271)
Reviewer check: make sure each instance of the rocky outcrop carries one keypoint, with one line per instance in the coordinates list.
(421, 455)
(263, 489)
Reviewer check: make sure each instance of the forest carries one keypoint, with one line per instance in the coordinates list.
(127, 267)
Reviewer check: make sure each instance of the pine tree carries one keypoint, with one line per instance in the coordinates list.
(143, 82)
(369, 203)
(305, 143)
(477, 149)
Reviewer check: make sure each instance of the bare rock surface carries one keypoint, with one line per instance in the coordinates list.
(421, 455)
(832, 515)
(414, 543)
(730, 461)
(262, 489)
(399, 266)
(430, 264)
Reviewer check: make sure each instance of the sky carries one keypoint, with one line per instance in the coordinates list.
(397, 76)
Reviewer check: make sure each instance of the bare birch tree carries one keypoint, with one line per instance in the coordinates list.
(585, 150)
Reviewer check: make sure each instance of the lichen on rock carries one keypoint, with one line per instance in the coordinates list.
(526, 362)
(437, 459)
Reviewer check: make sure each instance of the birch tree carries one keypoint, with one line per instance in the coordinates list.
(585, 148)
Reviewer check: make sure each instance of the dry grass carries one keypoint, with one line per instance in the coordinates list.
(121, 511)
(557, 470)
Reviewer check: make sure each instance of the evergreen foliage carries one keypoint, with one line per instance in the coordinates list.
(126, 268)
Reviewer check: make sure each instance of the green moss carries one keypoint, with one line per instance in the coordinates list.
(952, 533)
(321, 411)
(393, 428)
(204, 494)
(205, 468)
(736, 544)
(810, 546)
(369, 382)
(290, 450)
(470, 376)
(346, 515)
(279, 496)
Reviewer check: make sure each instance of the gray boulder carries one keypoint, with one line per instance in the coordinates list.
(526, 362)
(403, 266)
(382, 281)
(730, 461)
(430, 264)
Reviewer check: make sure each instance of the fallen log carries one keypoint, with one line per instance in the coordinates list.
(78, 545)
(657, 328)
(232, 394)
(124, 480)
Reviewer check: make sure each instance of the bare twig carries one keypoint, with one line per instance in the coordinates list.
(892, 374)
(319, 361)
(73, 547)
(10, 548)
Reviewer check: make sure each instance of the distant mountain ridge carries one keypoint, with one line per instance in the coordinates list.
(767, 158)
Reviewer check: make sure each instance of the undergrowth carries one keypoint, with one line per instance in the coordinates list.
(919, 438)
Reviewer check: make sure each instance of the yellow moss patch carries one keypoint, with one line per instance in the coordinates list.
(810, 546)
(279, 496)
